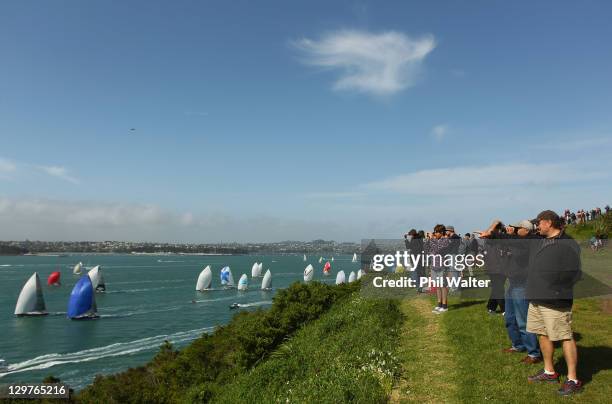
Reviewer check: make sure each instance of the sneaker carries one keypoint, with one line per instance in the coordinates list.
(441, 310)
(511, 350)
(492, 312)
(435, 309)
(530, 360)
(542, 376)
(570, 387)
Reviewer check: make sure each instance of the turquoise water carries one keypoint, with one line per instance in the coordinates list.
(148, 300)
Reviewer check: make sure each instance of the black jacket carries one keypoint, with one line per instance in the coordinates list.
(554, 268)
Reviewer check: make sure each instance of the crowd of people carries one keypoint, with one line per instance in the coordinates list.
(533, 266)
(582, 216)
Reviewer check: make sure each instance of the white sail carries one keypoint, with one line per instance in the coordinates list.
(243, 282)
(260, 269)
(352, 277)
(304, 257)
(320, 260)
(97, 280)
(77, 268)
(332, 260)
(340, 278)
(31, 301)
(254, 270)
(266, 283)
(354, 257)
(308, 273)
(205, 279)
(359, 274)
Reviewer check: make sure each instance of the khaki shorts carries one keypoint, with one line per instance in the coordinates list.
(554, 323)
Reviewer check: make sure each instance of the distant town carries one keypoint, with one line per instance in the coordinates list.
(127, 247)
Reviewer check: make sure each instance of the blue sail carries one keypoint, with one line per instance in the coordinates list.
(82, 303)
(225, 276)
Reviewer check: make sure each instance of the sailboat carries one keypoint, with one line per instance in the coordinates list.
(332, 260)
(266, 283)
(205, 279)
(256, 269)
(359, 274)
(243, 282)
(54, 279)
(326, 268)
(304, 257)
(77, 268)
(97, 280)
(308, 273)
(340, 278)
(31, 301)
(82, 303)
(320, 260)
(227, 279)
(352, 277)
(354, 258)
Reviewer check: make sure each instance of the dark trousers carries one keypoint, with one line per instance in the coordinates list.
(497, 292)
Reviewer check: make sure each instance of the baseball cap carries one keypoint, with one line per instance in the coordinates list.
(525, 224)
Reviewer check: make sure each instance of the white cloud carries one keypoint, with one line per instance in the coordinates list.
(439, 132)
(59, 172)
(7, 168)
(470, 180)
(379, 64)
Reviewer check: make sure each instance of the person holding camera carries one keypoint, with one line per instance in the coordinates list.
(520, 237)
(495, 262)
(414, 245)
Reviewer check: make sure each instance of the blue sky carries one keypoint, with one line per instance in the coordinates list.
(277, 120)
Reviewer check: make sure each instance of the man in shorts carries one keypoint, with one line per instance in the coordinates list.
(554, 268)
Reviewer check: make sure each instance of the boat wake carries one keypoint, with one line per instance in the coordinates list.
(255, 304)
(139, 312)
(149, 281)
(142, 290)
(117, 349)
(215, 300)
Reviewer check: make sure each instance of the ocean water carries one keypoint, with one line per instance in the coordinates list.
(148, 300)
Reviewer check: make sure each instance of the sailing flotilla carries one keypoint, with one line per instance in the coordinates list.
(82, 301)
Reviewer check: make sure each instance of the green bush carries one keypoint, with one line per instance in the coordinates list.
(348, 354)
(213, 359)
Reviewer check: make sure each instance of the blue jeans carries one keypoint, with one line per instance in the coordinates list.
(516, 321)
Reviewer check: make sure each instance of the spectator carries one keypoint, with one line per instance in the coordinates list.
(438, 244)
(495, 259)
(520, 237)
(554, 268)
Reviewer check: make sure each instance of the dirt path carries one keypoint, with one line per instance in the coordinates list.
(428, 363)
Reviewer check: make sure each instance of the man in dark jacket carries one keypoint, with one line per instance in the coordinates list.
(495, 261)
(518, 240)
(554, 268)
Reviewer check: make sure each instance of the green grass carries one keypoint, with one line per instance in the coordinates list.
(347, 355)
(486, 374)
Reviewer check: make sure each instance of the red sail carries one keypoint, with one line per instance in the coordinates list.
(54, 278)
(327, 267)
